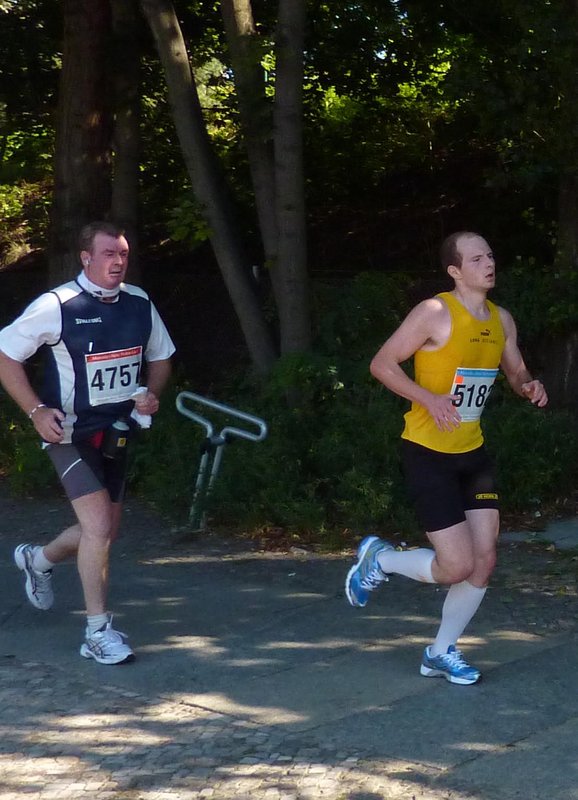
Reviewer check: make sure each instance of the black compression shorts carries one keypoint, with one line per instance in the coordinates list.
(443, 486)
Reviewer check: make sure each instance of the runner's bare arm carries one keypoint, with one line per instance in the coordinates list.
(158, 373)
(426, 326)
(15, 381)
(514, 367)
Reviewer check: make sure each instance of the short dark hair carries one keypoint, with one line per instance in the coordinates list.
(88, 233)
(449, 252)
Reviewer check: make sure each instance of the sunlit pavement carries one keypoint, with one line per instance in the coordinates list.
(255, 679)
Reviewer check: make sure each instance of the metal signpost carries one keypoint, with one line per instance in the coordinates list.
(212, 447)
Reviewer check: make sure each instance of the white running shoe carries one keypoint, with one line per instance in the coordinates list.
(38, 584)
(107, 646)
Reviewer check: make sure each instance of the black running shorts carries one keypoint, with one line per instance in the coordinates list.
(83, 469)
(443, 486)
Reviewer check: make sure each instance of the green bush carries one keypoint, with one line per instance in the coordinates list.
(165, 458)
(535, 452)
(334, 463)
(548, 303)
(23, 462)
(334, 460)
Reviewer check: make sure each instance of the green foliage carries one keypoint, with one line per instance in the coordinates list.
(23, 218)
(355, 318)
(11, 202)
(31, 33)
(165, 459)
(543, 299)
(22, 460)
(28, 153)
(332, 461)
(331, 458)
(186, 222)
(417, 119)
(535, 452)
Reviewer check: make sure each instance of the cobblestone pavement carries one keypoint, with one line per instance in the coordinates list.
(64, 736)
(63, 739)
(281, 692)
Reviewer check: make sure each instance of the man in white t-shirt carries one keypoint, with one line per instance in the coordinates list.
(107, 359)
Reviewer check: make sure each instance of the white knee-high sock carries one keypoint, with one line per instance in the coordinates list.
(415, 564)
(461, 603)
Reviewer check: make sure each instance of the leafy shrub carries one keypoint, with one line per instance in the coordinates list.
(535, 452)
(334, 463)
(164, 459)
(334, 460)
(549, 302)
(22, 460)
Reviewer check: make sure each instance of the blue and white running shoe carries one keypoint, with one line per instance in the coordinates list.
(366, 574)
(451, 665)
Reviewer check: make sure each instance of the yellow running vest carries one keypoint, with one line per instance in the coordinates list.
(467, 366)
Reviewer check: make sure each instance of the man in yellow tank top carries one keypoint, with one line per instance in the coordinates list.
(458, 340)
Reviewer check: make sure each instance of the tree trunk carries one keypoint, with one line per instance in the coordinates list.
(82, 153)
(567, 249)
(255, 113)
(558, 357)
(290, 281)
(206, 179)
(567, 245)
(126, 19)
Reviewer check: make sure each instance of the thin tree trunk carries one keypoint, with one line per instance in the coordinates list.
(560, 354)
(567, 245)
(291, 281)
(82, 154)
(255, 113)
(567, 249)
(206, 179)
(126, 20)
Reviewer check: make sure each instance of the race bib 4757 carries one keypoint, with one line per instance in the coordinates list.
(113, 377)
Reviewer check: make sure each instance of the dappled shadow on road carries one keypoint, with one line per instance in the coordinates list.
(255, 679)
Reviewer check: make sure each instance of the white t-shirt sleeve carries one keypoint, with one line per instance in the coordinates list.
(40, 323)
(160, 345)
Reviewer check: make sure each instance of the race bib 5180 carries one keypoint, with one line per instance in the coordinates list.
(472, 387)
(113, 377)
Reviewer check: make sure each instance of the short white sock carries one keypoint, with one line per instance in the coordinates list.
(414, 564)
(40, 562)
(96, 622)
(461, 603)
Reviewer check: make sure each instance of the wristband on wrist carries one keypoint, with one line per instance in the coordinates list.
(35, 409)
